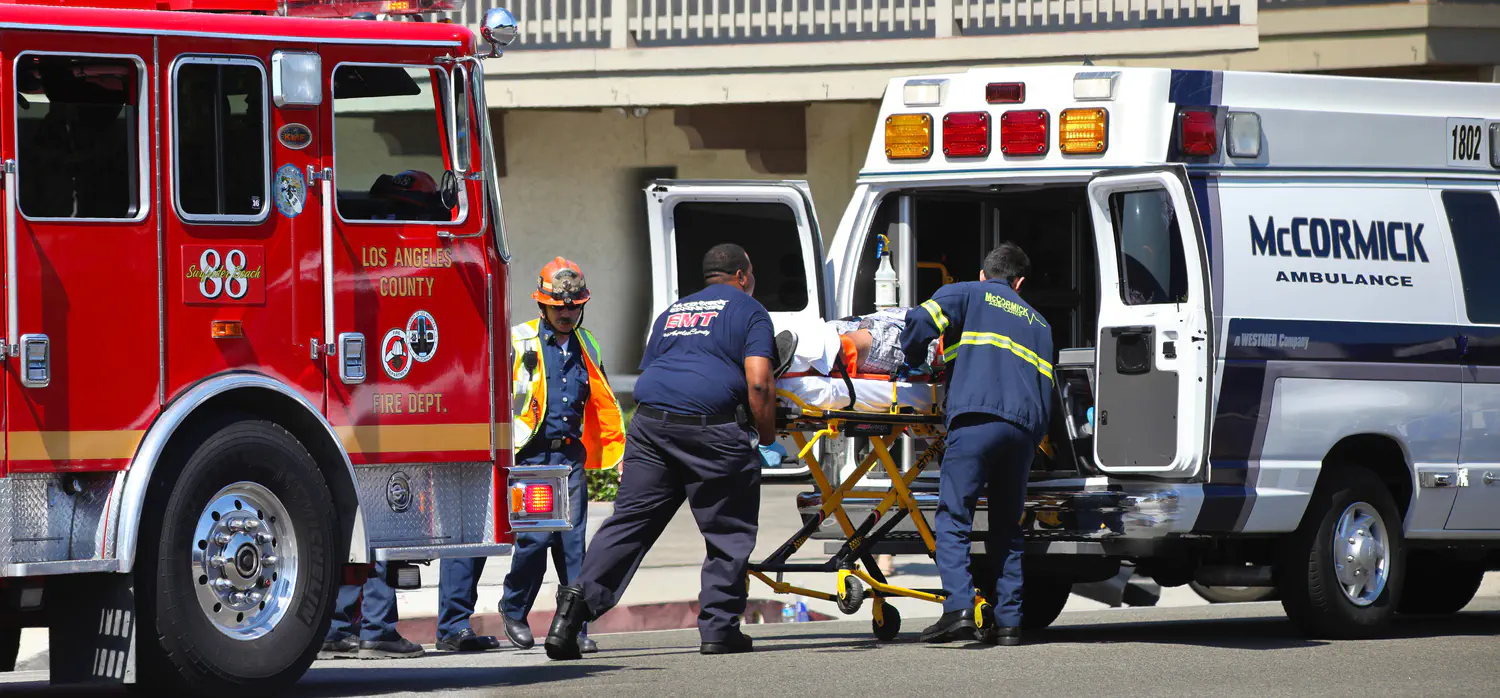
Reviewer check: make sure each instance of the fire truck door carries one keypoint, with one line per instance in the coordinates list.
(82, 370)
(408, 267)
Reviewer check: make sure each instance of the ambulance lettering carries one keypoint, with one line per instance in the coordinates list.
(692, 318)
(1338, 238)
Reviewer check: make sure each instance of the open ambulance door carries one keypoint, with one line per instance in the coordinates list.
(1154, 351)
(775, 223)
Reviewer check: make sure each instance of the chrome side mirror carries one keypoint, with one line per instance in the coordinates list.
(499, 29)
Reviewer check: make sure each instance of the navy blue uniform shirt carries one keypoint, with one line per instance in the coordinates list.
(695, 359)
(567, 392)
(1000, 349)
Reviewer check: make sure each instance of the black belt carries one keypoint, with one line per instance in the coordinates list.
(688, 419)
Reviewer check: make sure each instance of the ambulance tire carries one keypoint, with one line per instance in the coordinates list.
(1307, 580)
(1043, 598)
(181, 648)
(1438, 584)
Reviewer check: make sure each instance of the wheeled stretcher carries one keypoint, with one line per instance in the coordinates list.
(811, 408)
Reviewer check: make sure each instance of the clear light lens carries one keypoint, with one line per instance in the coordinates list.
(1495, 145)
(924, 93)
(297, 79)
(1244, 134)
(1095, 86)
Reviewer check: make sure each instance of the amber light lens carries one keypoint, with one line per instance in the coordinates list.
(1083, 131)
(227, 329)
(908, 136)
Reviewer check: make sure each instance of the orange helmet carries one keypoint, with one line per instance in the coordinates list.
(561, 282)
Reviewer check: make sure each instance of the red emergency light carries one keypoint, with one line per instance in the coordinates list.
(334, 9)
(538, 499)
(261, 6)
(1197, 134)
(1005, 92)
(1024, 132)
(966, 134)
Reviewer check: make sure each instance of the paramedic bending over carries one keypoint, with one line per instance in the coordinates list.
(999, 399)
(709, 357)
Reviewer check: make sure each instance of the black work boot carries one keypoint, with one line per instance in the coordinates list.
(572, 612)
(954, 625)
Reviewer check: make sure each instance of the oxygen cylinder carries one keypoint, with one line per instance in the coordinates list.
(887, 293)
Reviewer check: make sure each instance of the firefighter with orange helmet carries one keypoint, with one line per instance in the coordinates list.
(564, 413)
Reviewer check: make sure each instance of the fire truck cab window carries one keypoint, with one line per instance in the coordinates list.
(78, 137)
(389, 162)
(219, 111)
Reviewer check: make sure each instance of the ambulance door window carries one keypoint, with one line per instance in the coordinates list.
(767, 231)
(79, 138)
(1475, 221)
(389, 160)
(219, 117)
(1152, 268)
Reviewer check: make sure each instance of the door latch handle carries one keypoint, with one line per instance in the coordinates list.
(1490, 478)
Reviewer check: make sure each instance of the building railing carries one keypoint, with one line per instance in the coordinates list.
(584, 24)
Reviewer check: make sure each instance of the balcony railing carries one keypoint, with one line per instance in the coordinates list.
(583, 24)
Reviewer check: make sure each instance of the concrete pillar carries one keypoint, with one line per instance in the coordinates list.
(619, 24)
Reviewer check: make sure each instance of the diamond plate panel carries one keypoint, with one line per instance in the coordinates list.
(429, 504)
(90, 512)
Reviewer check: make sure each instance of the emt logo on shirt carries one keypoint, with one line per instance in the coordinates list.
(692, 317)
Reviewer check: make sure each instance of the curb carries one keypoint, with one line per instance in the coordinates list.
(676, 615)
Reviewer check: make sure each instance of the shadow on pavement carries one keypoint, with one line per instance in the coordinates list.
(366, 680)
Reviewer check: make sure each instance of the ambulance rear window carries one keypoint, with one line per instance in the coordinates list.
(1149, 244)
(1474, 218)
(769, 234)
(78, 137)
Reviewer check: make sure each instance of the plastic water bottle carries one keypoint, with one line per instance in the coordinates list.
(801, 611)
(789, 612)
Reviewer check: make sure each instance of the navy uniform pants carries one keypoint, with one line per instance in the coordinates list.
(377, 613)
(716, 469)
(458, 585)
(983, 450)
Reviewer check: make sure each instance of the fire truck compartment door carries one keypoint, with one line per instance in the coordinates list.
(773, 221)
(1153, 359)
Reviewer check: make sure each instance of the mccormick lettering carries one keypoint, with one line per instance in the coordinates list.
(1393, 241)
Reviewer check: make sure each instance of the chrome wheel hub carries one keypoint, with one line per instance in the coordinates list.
(244, 560)
(1361, 556)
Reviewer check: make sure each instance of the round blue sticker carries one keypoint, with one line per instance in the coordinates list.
(291, 190)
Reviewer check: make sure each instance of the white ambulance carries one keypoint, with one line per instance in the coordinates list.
(1274, 298)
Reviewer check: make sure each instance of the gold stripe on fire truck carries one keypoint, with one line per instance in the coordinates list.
(422, 438)
(74, 445)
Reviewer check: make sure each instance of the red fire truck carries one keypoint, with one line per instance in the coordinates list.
(255, 326)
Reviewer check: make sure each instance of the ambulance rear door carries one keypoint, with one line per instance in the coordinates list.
(1154, 356)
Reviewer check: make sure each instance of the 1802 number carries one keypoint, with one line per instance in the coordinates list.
(1468, 140)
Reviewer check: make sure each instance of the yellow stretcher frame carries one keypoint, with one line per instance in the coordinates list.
(845, 564)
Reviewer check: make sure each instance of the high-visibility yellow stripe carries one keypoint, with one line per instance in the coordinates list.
(1003, 342)
(936, 311)
(422, 438)
(75, 445)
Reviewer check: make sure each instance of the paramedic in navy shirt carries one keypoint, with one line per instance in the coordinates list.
(999, 352)
(692, 438)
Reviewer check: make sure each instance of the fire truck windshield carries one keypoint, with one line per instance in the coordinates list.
(389, 157)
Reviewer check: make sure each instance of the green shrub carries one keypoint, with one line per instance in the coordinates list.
(605, 484)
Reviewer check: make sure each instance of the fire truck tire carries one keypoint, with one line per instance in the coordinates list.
(1341, 572)
(237, 573)
(1439, 584)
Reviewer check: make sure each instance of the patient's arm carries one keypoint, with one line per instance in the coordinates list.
(861, 339)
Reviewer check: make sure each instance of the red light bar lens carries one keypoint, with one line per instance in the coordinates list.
(1197, 132)
(538, 499)
(1023, 132)
(336, 9)
(1005, 92)
(966, 134)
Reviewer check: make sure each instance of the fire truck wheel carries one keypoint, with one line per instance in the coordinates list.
(237, 576)
(1340, 573)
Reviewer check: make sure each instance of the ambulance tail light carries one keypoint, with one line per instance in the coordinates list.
(1023, 132)
(1005, 92)
(1242, 137)
(1197, 134)
(341, 9)
(908, 136)
(966, 134)
(1083, 131)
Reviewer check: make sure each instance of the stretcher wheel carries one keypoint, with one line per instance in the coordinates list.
(989, 632)
(891, 627)
(851, 595)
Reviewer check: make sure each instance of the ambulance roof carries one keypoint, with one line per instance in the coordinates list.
(1308, 122)
(283, 30)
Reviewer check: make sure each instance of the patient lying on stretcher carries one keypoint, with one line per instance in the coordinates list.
(861, 344)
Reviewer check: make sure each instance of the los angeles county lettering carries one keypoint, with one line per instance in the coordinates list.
(1336, 238)
(404, 285)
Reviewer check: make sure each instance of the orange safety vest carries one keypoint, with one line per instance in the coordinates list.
(603, 427)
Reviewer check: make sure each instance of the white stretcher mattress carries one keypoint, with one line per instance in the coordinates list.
(829, 393)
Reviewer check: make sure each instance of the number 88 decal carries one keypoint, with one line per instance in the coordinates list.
(228, 281)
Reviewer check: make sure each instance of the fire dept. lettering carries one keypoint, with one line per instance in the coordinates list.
(405, 286)
(409, 403)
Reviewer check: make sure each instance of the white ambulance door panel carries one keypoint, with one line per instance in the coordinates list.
(1472, 214)
(1153, 343)
(773, 221)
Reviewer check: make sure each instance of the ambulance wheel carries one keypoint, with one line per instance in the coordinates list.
(1438, 584)
(1043, 597)
(1340, 573)
(851, 595)
(889, 626)
(236, 572)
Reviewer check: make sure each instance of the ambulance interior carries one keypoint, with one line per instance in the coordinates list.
(955, 228)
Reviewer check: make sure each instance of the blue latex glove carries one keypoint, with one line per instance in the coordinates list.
(1090, 415)
(772, 455)
(901, 373)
